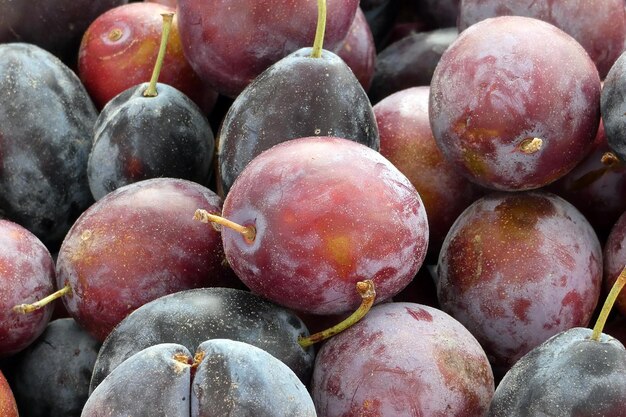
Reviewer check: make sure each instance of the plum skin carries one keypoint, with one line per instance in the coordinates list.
(328, 212)
(402, 359)
(518, 268)
(494, 91)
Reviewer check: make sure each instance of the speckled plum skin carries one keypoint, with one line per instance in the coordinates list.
(27, 275)
(494, 90)
(46, 122)
(401, 360)
(613, 108)
(299, 96)
(614, 252)
(193, 316)
(518, 268)
(598, 25)
(136, 244)
(229, 46)
(568, 375)
(407, 141)
(223, 378)
(8, 407)
(328, 212)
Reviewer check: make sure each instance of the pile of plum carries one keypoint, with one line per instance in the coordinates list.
(333, 208)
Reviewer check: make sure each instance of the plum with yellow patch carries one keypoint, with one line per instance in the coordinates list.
(328, 212)
(517, 268)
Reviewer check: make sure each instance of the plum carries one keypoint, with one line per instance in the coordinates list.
(518, 268)
(119, 48)
(27, 274)
(320, 214)
(612, 107)
(207, 313)
(511, 116)
(402, 359)
(46, 124)
(614, 252)
(230, 46)
(600, 27)
(224, 377)
(51, 377)
(409, 62)
(577, 372)
(136, 244)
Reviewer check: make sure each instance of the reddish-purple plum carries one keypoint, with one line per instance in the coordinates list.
(229, 46)
(402, 360)
(325, 213)
(27, 274)
(599, 26)
(614, 252)
(138, 243)
(518, 268)
(509, 115)
(8, 407)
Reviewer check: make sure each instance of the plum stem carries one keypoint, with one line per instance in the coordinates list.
(531, 145)
(248, 232)
(29, 308)
(610, 160)
(368, 294)
(151, 91)
(318, 43)
(608, 305)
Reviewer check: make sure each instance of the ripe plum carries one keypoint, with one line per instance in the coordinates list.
(8, 407)
(599, 26)
(613, 108)
(27, 273)
(207, 313)
(518, 268)
(326, 213)
(510, 115)
(46, 124)
(136, 244)
(51, 377)
(615, 258)
(402, 359)
(229, 46)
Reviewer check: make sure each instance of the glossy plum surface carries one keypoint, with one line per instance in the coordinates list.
(402, 359)
(136, 244)
(613, 108)
(230, 46)
(299, 96)
(568, 375)
(518, 268)
(598, 25)
(119, 49)
(208, 313)
(407, 141)
(51, 377)
(45, 136)
(328, 212)
(26, 275)
(614, 252)
(494, 95)
(138, 137)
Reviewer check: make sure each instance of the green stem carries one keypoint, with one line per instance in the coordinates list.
(29, 308)
(368, 294)
(151, 91)
(608, 305)
(321, 28)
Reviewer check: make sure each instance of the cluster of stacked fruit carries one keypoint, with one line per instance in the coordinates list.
(194, 193)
